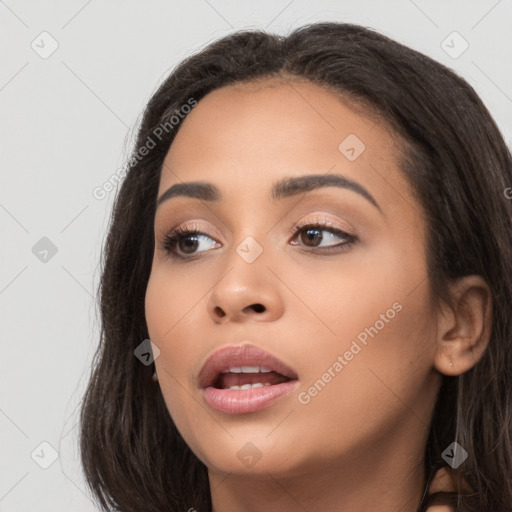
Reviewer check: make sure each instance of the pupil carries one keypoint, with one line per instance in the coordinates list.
(192, 245)
(317, 235)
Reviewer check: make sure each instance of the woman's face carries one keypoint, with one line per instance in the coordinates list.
(345, 306)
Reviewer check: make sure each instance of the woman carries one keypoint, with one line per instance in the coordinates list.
(315, 237)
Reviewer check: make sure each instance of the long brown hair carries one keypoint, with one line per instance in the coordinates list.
(459, 167)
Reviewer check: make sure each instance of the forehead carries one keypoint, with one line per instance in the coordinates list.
(280, 113)
(249, 135)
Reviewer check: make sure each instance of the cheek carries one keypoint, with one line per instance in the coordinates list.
(171, 304)
(386, 345)
(171, 295)
(345, 296)
(379, 320)
(174, 298)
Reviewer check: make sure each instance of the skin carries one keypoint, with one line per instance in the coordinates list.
(360, 440)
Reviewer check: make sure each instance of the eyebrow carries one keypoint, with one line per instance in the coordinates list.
(287, 187)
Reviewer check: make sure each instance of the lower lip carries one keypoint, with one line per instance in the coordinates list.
(242, 401)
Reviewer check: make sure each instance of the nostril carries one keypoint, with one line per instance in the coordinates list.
(219, 311)
(259, 308)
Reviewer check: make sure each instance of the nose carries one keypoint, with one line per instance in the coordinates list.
(246, 291)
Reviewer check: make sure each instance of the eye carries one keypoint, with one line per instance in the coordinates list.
(186, 241)
(311, 236)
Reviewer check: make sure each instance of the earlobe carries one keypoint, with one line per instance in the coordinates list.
(464, 331)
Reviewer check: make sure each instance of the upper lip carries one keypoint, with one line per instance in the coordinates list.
(240, 355)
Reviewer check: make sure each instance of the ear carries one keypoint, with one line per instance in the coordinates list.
(464, 330)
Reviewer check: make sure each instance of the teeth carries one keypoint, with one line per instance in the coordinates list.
(246, 369)
(250, 386)
(250, 369)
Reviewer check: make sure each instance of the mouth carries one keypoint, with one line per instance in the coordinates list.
(242, 379)
(248, 377)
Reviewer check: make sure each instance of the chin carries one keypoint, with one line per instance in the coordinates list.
(262, 460)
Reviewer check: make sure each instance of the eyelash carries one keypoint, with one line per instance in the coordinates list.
(171, 240)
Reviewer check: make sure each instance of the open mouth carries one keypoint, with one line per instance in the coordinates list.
(242, 379)
(248, 377)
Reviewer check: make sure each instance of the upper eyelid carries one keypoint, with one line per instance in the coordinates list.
(314, 218)
(325, 224)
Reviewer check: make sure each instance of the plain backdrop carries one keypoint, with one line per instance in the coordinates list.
(74, 77)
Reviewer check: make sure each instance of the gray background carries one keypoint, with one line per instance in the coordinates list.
(66, 126)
